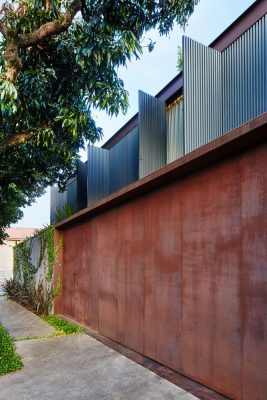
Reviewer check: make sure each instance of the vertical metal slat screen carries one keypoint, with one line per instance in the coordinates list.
(202, 94)
(98, 174)
(152, 134)
(57, 200)
(72, 199)
(77, 189)
(175, 131)
(123, 162)
(82, 185)
(245, 76)
(224, 90)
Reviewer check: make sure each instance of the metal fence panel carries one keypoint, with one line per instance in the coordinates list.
(175, 131)
(202, 94)
(57, 200)
(77, 189)
(75, 194)
(123, 161)
(72, 194)
(221, 92)
(245, 76)
(98, 174)
(82, 185)
(152, 134)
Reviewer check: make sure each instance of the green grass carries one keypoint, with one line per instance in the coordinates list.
(9, 360)
(62, 326)
(48, 336)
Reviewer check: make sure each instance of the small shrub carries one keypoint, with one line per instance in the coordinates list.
(61, 325)
(9, 360)
(37, 296)
(32, 299)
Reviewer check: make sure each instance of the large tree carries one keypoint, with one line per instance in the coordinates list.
(59, 60)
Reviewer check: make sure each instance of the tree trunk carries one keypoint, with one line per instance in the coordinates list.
(13, 61)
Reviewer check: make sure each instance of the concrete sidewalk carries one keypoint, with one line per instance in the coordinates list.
(75, 367)
(21, 323)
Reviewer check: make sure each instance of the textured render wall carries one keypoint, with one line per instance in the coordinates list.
(180, 275)
(38, 278)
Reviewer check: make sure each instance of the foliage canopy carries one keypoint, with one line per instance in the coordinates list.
(59, 60)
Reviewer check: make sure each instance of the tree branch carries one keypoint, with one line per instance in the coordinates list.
(16, 139)
(51, 28)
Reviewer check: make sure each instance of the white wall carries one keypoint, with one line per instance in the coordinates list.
(6, 260)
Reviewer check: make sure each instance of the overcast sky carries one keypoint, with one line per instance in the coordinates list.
(150, 74)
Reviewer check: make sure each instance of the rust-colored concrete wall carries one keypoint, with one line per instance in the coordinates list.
(180, 274)
(58, 300)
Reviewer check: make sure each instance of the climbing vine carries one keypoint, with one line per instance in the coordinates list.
(30, 258)
(47, 243)
(23, 268)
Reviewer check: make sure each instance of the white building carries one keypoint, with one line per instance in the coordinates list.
(16, 235)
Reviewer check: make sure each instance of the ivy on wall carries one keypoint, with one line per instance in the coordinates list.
(42, 292)
(23, 268)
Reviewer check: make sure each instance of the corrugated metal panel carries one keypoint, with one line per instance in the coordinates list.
(77, 189)
(224, 90)
(57, 200)
(82, 185)
(74, 195)
(98, 174)
(72, 199)
(175, 131)
(202, 94)
(123, 161)
(245, 76)
(152, 134)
